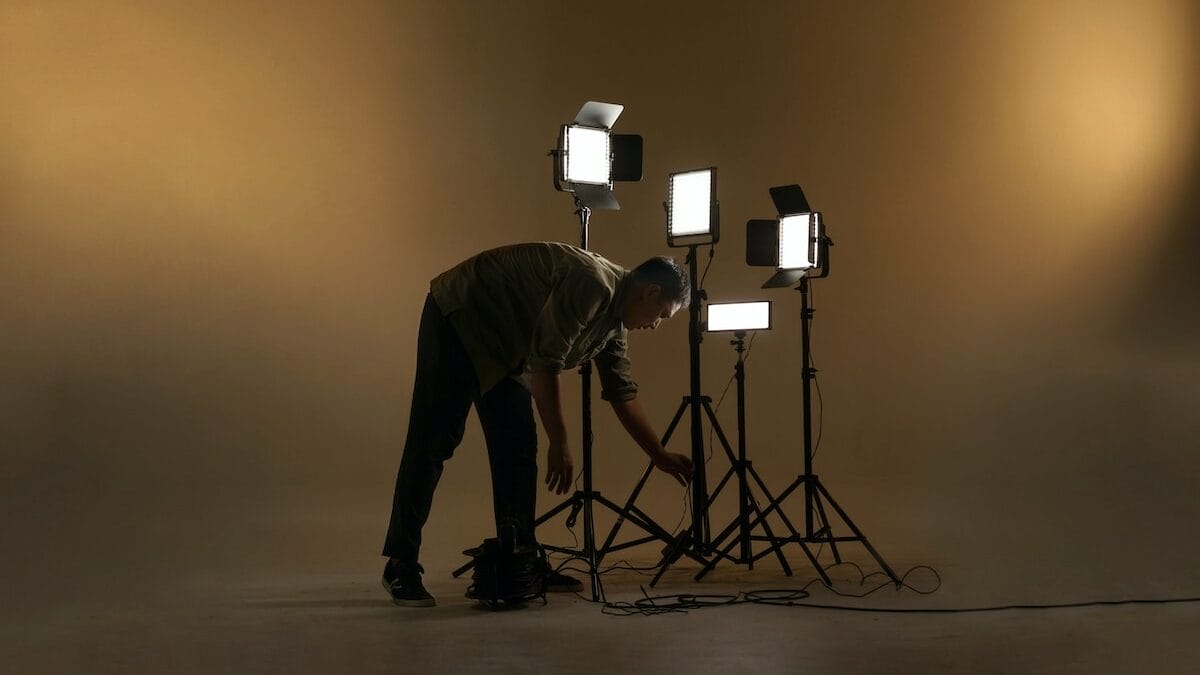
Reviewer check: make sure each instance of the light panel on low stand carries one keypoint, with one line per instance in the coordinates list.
(739, 318)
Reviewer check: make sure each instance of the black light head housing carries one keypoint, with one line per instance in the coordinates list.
(762, 243)
(762, 239)
(789, 199)
(624, 157)
(627, 158)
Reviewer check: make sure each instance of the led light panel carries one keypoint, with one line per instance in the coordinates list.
(690, 203)
(798, 238)
(586, 156)
(726, 316)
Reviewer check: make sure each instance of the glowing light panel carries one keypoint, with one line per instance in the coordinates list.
(726, 316)
(690, 196)
(586, 156)
(797, 248)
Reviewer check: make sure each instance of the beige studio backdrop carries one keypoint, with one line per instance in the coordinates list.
(218, 220)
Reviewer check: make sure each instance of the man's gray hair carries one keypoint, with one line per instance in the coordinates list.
(667, 273)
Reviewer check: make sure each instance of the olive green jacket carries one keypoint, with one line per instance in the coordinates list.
(541, 306)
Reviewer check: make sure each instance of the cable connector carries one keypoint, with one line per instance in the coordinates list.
(573, 516)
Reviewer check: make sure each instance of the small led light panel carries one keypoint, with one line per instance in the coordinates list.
(739, 316)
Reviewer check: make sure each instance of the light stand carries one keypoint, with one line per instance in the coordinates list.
(584, 500)
(748, 505)
(588, 171)
(693, 218)
(817, 526)
(696, 541)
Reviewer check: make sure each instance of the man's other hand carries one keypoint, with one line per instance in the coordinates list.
(677, 465)
(559, 470)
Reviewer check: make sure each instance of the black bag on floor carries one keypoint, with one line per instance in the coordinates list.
(506, 573)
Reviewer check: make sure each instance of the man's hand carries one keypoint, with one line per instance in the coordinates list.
(677, 465)
(634, 420)
(559, 470)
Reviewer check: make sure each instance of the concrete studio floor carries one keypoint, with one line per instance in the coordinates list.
(339, 623)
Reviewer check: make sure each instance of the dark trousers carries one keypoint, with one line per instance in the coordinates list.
(444, 390)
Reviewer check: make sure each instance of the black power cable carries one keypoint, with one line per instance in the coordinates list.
(649, 605)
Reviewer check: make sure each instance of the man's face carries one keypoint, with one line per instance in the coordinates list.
(647, 307)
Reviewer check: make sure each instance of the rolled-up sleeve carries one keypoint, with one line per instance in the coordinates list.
(616, 379)
(572, 303)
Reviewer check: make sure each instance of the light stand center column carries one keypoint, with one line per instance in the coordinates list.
(700, 525)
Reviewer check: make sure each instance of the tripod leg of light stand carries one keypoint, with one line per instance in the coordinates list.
(637, 517)
(656, 532)
(777, 505)
(826, 528)
(738, 521)
(712, 498)
(706, 404)
(860, 536)
(744, 557)
(753, 505)
(681, 546)
(716, 427)
(622, 513)
(774, 548)
(675, 551)
(773, 504)
(745, 537)
(585, 500)
(733, 526)
(766, 526)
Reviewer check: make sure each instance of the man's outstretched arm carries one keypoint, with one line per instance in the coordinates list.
(634, 420)
(545, 390)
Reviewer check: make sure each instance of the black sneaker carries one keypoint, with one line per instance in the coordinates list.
(557, 582)
(404, 585)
